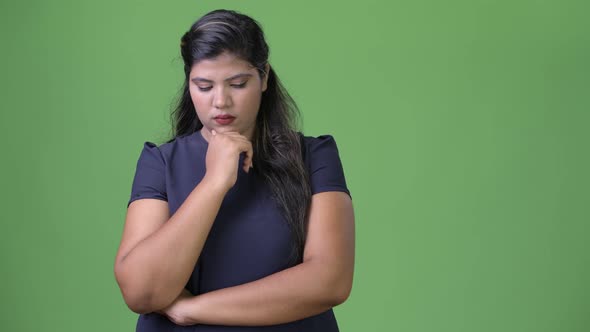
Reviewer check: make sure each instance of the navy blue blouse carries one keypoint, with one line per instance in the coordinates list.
(249, 238)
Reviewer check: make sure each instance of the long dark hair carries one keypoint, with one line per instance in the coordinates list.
(276, 141)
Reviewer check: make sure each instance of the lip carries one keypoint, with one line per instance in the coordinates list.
(224, 119)
(224, 116)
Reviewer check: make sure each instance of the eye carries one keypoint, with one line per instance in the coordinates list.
(239, 86)
(207, 88)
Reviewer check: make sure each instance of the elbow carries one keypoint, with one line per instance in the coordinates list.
(336, 283)
(340, 290)
(142, 302)
(137, 304)
(340, 295)
(138, 299)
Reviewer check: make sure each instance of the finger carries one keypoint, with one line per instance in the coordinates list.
(248, 160)
(235, 134)
(245, 147)
(241, 140)
(246, 165)
(231, 132)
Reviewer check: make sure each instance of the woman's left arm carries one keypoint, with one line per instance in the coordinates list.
(323, 280)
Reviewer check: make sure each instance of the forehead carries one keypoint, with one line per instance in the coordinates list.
(221, 67)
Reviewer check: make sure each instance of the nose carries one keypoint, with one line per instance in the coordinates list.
(222, 98)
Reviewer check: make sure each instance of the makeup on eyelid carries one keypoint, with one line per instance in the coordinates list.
(237, 86)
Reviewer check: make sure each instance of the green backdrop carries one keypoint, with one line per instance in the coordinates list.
(463, 128)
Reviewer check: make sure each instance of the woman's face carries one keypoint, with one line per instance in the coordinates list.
(226, 86)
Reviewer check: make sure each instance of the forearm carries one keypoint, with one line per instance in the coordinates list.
(289, 295)
(158, 268)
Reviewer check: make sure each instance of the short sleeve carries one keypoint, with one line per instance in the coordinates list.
(326, 172)
(150, 175)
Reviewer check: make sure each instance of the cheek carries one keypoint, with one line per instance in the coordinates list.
(250, 100)
(198, 99)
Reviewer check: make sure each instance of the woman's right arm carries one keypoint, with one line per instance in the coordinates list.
(157, 254)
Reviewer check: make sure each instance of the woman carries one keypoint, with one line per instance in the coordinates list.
(238, 221)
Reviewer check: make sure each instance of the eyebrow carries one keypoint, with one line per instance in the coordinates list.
(200, 79)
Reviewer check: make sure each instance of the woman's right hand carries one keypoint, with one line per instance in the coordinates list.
(222, 158)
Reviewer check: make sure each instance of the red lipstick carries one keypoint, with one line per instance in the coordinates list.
(224, 119)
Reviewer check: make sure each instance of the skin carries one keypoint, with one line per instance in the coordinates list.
(227, 96)
(322, 281)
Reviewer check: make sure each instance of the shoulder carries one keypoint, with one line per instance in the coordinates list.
(316, 139)
(319, 146)
(322, 158)
(166, 150)
(318, 142)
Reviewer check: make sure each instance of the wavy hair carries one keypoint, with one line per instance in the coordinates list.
(276, 142)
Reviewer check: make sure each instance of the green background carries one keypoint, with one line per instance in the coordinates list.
(463, 128)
